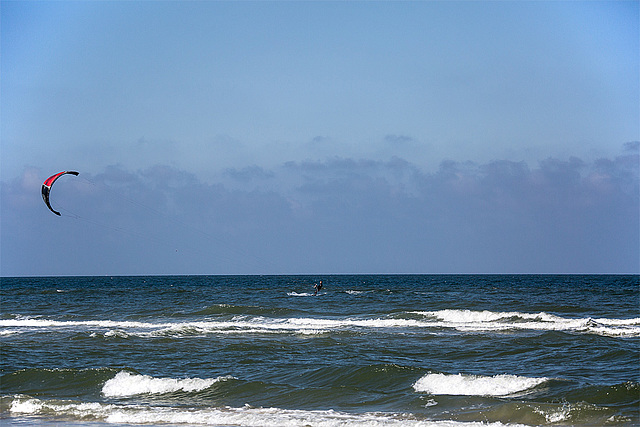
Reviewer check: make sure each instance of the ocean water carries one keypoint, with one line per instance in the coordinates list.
(366, 351)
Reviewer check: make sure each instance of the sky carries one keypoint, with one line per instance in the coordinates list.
(320, 137)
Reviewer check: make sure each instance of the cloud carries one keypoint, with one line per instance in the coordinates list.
(632, 146)
(249, 174)
(338, 215)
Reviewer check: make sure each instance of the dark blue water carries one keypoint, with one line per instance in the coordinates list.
(367, 350)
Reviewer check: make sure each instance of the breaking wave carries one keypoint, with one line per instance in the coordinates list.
(460, 320)
(243, 416)
(128, 384)
(487, 321)
(475, 385)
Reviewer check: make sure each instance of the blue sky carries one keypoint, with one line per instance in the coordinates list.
(320, 137)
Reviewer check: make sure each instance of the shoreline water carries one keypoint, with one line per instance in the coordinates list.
(422, 350)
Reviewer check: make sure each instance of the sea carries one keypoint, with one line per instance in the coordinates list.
(367, 350)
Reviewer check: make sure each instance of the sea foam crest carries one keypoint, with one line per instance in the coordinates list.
(470, 316)
(33, 406)
(127, 384)
(245, 416)
(300, 294)
(470, 320)
(462, 320)
(475, 385)
(44, 323)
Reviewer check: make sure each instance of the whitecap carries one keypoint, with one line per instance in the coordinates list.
(461, 320)
(26, 406)
(33, 406)
(475, 385)
(481, 321)
(116, 333)
(128, 384)
(245, 416)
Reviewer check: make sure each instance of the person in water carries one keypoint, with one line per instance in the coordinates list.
(317, 287)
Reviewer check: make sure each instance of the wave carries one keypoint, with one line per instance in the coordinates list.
(243, 416)
(46, 323)
(379, 377)
(222, 309)
(128, 384)
(300, 294)
(62, 382)
(106, 382)
(487, 321)
(95, 395)
(475, 385)
(430, 321)
(237, 324)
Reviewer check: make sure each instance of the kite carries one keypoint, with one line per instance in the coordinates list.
(46, 187)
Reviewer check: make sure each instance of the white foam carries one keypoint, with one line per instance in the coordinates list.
(127, 384)
(474, 385)
(32, 406)
(470, 316)
(116, 333)
(45, 323)
(461, 320)
(28, 406)
(300, 294)
(556, 416)
(480, 321)
(244, 416)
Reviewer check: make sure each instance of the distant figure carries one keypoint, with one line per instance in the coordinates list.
(317, 287)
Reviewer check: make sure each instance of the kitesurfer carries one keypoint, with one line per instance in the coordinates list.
(317, 287)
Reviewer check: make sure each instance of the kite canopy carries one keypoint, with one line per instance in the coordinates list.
(46, 187)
